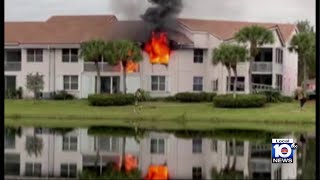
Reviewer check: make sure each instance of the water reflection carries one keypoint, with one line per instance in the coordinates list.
(89, 152)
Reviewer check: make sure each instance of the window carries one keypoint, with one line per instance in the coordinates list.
(197, 83)
(9, 140)
(198, 55)
(196, 173)
(157, 146)
(215, 85)
(158, 83)
(239, 148)
(70, 143)
(197, 145)
(68, 170)
(10, 83)
(34, 55)
(277, 174)
(279, 81)
(279, 56)
(69, 55)
(214, 145)
(12, 164)
(70, 82)
(33, 169)
(109, 144)
(240, 83)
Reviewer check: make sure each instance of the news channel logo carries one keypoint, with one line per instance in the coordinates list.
(283, 150)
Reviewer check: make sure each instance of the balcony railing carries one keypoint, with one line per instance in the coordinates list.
(12, 66)
(262, 67)
(263, 87)
(260, 165)
(104, 67)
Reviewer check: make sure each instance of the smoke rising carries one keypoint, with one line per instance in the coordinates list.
(163, 13)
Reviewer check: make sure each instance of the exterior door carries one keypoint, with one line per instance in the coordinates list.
(10, 83)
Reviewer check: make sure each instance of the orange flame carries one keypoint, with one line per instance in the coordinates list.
(131, 162)
(158, 48)
(132, 67)
(157, 173)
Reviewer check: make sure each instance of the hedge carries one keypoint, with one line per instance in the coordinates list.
(63, 95)
(195, 97)
(111, 99)
(241, 101)
(275, 97)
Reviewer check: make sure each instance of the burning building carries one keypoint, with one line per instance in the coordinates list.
(177, 54)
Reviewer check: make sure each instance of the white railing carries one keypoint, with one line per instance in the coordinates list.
(263, 87)
(261, 165)
(12, 66)
(104, 67)
(264, 67)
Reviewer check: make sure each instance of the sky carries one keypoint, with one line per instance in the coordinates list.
(280, 11)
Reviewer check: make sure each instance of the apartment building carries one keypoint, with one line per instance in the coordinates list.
(52, 49)
(66, 155)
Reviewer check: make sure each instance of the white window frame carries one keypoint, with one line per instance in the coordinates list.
(279, 81)
(35, 53)
(215, 85)
(238, 83)
(158, 83)
(214, 145)
(68, 168)
(70, 82)
(196, 83)
(196, 169)
(196, 149)
(279, 56)
(197, 56)
(157, 151)
(113, 144)
(33, 168)
(70, 55)
(68, 148)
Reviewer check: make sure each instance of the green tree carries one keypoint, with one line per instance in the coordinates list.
(123, 51)
(305, 26)
(304, 45)
(222, 55)
(35, 83)
(230, 55)
(239, 54)
(256, 36)
(93, 51)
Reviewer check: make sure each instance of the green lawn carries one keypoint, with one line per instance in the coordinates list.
(160, 115)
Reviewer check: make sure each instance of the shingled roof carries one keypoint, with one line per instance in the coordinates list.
(226, 30)
(59, 30)
(77, 29)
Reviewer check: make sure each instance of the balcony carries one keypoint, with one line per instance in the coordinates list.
(12, 66)
(262, 67)
(104, 67)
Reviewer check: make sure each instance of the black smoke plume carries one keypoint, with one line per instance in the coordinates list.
(163, 13)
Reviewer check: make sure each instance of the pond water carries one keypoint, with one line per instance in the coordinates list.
(98, 151)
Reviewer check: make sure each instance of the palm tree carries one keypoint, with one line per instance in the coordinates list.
(222, 55)
(123, 51)
(239, 55)
(256, 36)
(304, 45)
(93, 51)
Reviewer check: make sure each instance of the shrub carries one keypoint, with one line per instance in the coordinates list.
(241, 101)
(286, 99)
(19, 93)
(63, 95)
(194, 97)
(145, 95)
(10, 94)
(271, 96)
(111, 99)
(163, 99)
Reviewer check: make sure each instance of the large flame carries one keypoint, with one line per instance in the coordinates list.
(132, 67)
(157, 173)
(158, 48)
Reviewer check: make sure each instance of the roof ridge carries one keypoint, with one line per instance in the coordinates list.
(235, 21)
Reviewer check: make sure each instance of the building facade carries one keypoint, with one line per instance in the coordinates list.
(66, 155)
(52, 49)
